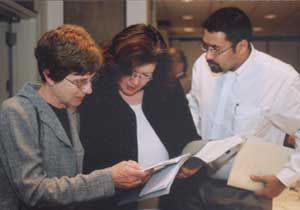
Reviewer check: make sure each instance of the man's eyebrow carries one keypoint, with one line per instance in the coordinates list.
(210, 45)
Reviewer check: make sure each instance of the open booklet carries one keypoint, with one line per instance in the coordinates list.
(165, 172)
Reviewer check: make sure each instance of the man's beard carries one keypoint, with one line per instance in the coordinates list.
(215, 67)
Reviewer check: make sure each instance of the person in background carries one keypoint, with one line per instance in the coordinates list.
(138, 110)
(238, 90)
(180, 62)
(40, 151)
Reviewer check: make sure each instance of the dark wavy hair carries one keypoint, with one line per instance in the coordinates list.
(134, 46)
(232, 21)
(65, 50)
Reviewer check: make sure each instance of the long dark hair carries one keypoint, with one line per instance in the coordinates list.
(134, 46)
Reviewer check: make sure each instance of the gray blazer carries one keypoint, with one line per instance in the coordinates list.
(43, 171)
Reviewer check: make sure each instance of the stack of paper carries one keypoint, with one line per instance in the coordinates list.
(257, 158)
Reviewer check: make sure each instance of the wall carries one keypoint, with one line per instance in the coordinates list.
(24, 65)
(287, 51)
(28, 31)
(106, 18)
(137, 12)
(3, 62)
(102, 19)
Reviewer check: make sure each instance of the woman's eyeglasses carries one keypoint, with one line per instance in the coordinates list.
(81, 83)
(141, 76)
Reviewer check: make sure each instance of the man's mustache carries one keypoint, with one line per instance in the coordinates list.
(215, 67)
(211, 62)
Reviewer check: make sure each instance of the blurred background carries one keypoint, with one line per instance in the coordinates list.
(276, 26)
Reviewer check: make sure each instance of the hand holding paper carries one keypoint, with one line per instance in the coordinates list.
(127, 174)
(272, 186)
(196, 154)
(254, 159)
(187, 172)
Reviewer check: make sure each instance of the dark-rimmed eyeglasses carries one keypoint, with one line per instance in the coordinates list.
(215, 51)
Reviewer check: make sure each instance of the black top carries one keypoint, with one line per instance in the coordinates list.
(62, 115)
(109, 131)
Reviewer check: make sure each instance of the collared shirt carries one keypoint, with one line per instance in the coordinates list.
(261, 98)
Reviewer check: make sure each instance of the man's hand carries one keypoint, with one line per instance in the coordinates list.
(127, 174)
(272, 186)
(186, 172)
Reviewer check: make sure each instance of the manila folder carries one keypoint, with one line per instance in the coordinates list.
(257, 158)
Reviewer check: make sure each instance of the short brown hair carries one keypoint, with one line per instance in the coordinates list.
(65, 50)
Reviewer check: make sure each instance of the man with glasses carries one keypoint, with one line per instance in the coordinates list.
(238, 90)
(40, 151)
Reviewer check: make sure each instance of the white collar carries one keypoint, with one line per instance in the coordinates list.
(244, 68)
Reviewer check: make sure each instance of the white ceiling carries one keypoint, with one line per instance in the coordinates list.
(286, 23)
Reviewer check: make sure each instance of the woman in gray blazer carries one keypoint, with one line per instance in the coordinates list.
(40, 151)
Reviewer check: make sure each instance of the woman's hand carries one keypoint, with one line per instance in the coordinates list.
(128, 174)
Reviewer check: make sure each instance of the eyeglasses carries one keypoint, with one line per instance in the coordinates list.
(80, 83)
(142, 76)
(215, 51)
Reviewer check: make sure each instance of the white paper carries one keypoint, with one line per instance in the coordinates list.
(257, 159)
(164, 178)
(163, 164)
(165, 172)
(216, 148)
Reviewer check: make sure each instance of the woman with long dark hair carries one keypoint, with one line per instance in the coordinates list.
(138, 110)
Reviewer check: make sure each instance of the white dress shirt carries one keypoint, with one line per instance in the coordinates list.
(262, 98)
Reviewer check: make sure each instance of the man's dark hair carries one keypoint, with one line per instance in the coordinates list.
(65, 50)
(232, 21)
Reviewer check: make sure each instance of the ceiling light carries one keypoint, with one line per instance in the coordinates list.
(187, 17)
(258, 29)
(270, 16)
(186, 1)
(188, 29)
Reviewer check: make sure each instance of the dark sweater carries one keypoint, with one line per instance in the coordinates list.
(109, 132)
